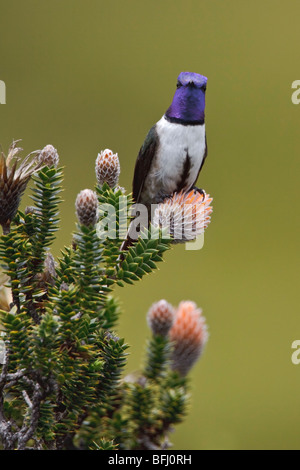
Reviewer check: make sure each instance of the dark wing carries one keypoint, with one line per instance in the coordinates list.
(143, 163)
(204, 157)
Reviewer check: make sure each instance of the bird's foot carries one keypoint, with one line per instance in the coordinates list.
(201, 191)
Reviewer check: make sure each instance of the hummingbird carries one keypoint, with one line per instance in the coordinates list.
(174, 149)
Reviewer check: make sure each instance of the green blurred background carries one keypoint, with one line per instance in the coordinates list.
(88, 75)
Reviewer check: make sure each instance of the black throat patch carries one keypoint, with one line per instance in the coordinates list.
(182, 184)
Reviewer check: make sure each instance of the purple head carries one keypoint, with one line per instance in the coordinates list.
(188, 104)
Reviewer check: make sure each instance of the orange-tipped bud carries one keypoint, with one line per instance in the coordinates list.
(160, 318)
(87, 207)
(185, 215)
(107, 168)
(189, 336)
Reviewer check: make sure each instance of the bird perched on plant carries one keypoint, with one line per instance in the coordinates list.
(175, 148)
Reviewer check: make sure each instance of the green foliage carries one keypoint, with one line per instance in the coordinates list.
(113, 219)
(25, 248)
(155, 401)
(142, 258)
(46, 196)
(158, 355)
(62, 384)
(173, 405)
(104, 444)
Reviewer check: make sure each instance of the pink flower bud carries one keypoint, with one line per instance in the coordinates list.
(161, 317)
(107, 168)
(49, 156)
(87, 207)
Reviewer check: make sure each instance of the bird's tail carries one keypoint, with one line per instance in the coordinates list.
(128, 242)
(133, 233)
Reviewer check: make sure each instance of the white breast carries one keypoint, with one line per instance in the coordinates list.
(175, 142)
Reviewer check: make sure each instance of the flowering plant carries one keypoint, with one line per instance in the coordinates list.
(61, 382)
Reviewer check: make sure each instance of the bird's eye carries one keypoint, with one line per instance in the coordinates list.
(203, 87)
(178, 85)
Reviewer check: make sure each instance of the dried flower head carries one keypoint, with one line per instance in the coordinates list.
(48, 275)
(185, 215)
(30, 210)
(64, 286)
(160, 318)
(87, 207)
(110, 336)
(49, 156)
(189, 336)
(107, 168)
(13, 181)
